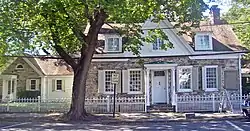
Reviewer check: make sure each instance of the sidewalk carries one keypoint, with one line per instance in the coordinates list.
(122, 117)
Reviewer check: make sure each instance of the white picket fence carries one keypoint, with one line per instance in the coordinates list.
(206, 103)
(92, 105)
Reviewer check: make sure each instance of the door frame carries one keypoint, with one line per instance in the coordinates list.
(166, 85)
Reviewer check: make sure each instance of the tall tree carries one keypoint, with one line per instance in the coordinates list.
(239, 16)
(58, 25)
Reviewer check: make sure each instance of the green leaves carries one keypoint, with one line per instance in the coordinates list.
(240, 12)
(31, 24)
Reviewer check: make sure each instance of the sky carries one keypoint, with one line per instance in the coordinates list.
(224, 5)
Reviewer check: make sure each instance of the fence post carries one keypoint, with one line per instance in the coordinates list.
(108, 103)
(213, 102)
(39, 103)
(176, 103)
(8, 105)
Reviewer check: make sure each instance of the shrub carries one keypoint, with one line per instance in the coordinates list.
(28, 94)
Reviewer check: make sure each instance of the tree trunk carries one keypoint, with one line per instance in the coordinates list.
(77, 110)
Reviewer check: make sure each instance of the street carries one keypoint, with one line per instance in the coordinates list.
(229, 125)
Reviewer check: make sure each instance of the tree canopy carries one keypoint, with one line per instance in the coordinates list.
(59, 25)
(239, 16)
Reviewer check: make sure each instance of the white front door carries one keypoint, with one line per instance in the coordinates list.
(159, 87)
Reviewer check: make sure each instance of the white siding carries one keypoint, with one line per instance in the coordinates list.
(59, 94)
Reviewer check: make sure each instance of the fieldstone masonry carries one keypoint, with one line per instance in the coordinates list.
(26, 73)
(92, 83)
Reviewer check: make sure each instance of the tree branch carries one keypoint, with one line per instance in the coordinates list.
(55, 37)
(86, 11)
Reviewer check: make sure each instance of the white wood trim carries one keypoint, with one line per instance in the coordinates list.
(147, 89)
(33, 67)
(223, 56)
(107, 92)
(202, 34)
(204, 76)
(135, 69)
(191, 81)
(173, 75)
(106, 42)
(36, 87)
(110, 59)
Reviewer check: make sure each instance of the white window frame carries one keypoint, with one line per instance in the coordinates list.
(36, 86)
(210, 41)
(108, 92)
(106, 43)
(191, 80)
(134, 92)
(19, 68)
(204, 78)
(56, 84)
(158, 45)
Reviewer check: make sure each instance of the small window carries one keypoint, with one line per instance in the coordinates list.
(203, 42)
(159, 73)
(58, 84)
(158, 44)
(113, 44)
(13, 86)
(33, 84)
(210, 75)
(19, 66)
(9, 87)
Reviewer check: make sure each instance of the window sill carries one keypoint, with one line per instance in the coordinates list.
(136, 92)
(185, 90)
(58, 91)
(211, 89)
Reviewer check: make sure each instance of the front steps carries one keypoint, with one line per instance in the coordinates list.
(161, 108)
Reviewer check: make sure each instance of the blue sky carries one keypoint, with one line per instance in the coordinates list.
(224, 5)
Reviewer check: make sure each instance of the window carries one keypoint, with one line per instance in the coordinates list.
(32, 84)
(210, 78)
(58, 84)
(184, 79)
(13, 86)
(109, 87)
(159, 73)
(203, 42)
(113, 44)
(157, 44)
(135, 81)
(19, 66)
(9, 87)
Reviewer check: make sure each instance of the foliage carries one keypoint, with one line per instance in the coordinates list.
(28, 94)
(30, 24)
(240, 13)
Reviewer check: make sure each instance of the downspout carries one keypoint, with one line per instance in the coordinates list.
(240, 79)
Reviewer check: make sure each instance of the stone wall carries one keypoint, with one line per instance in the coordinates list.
(22, 74)
(92, 83)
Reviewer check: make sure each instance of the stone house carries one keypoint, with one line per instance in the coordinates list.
(206, 63)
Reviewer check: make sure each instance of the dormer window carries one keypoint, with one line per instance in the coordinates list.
(113, 44)
(203, 41)
(19, 67)
(157, 44)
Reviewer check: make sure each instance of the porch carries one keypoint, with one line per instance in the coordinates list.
(160, 83)
(9, 86)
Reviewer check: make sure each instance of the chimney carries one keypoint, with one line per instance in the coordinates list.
(215, 15)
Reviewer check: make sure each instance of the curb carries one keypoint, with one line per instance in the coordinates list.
(165, 120)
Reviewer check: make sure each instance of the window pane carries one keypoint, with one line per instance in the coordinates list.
(159, 73)
(135, 80)
(157, 44)
(203, 42)
(185, 78)
(113, 44)
(33, 84)
(211, 80)
(59, 84)
(109, 87)
(9, 87)
(13, 86)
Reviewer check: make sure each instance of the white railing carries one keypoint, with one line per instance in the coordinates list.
(93, 105)
(206, 103)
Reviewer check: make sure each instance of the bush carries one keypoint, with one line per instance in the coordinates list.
(28, 94)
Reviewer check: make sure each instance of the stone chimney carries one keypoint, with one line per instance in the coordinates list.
(214, 15)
